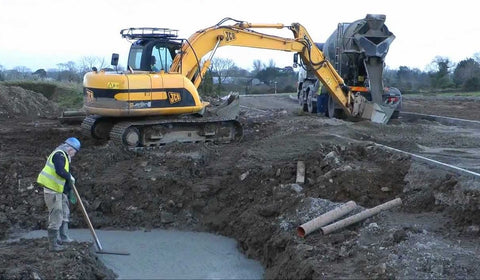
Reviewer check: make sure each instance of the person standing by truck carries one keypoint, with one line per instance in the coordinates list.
(322, 99)
(57, 181)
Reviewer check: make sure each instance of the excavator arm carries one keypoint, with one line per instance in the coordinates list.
(240, 34)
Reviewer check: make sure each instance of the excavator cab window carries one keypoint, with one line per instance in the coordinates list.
(135, 57)
(153, 54)
(163, 57)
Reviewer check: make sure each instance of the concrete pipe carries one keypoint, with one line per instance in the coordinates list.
(360, 216)
(326, 218)
(300, 172)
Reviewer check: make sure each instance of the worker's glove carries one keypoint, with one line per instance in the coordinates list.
(72, 180)
(72, 197)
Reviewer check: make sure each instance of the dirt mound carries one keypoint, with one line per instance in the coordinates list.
(18, 103)
(36, 262)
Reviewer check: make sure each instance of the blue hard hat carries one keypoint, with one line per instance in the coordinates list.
(74, 143)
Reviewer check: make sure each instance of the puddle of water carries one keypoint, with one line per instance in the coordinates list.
(164, 254)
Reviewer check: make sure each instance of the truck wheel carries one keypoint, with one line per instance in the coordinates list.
(299, 94)
(311, 104)
(301, 101)
(332, 112)
(300, 98)
(395, 115)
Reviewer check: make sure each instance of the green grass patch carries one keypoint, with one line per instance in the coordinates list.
(446, 94)
(474, 93)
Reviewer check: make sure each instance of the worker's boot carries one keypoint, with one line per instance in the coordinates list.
(53, 246)
(64, 238)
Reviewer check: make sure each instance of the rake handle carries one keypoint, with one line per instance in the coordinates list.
(87, 219)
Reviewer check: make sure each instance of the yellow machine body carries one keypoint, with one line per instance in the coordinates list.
(140, 94)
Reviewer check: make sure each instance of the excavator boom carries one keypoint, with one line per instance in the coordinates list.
(241, 34)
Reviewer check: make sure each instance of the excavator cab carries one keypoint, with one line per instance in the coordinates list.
(153, 49)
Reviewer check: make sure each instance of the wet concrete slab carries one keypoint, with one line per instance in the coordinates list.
(164, 254)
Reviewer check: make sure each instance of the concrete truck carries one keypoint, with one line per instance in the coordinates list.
(357, 51)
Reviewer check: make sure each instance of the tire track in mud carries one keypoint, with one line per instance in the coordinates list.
(441, 119)
(440, 164)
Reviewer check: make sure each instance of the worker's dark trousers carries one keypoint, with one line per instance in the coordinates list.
(322, 100)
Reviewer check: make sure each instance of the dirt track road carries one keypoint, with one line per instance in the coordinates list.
(247, 191)
(451, 144)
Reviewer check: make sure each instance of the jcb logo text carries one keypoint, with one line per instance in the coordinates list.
(229, 36)
(174, 97)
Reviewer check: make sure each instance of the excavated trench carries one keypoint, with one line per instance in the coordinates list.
(248, 191)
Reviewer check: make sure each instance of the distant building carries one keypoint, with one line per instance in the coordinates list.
(226, 81)
(256, 82)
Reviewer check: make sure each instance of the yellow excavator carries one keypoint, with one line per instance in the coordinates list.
(155, 101)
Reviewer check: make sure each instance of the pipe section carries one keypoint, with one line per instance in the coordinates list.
(360, 216)
(326, 218)
(300, 172)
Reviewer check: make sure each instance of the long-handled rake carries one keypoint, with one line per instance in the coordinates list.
(90, 226)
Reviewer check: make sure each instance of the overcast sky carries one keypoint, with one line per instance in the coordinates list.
(40, 34)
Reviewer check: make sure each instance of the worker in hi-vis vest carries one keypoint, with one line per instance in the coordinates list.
(57, 182)
(322, 99)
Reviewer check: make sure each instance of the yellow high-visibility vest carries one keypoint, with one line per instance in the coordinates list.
(49, 178)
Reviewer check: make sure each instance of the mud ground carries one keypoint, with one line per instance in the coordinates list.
(248, 191)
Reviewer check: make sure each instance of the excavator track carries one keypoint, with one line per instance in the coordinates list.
(97, 127)
(87, 124)
(148, 134)
(218, 125)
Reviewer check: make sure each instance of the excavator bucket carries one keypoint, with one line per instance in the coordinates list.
(378, 113)
(230, 108)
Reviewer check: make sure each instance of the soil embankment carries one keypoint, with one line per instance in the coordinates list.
(247, 191)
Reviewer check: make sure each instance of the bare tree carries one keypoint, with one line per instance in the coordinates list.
(68, 66)
(68, 72)
(272, 64)
(2, 74)
(257, 66)
(476, 57)
(88, 62)
(441, 77)
(441, 64)
(466, 74)
(222, 68)
(23, 71)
